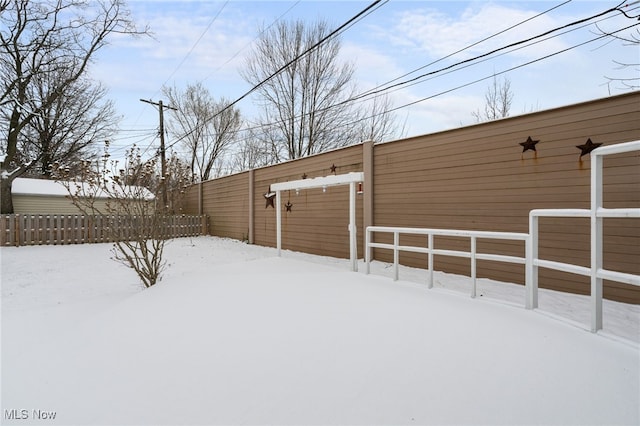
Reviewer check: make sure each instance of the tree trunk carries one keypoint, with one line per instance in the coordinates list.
(6, 202)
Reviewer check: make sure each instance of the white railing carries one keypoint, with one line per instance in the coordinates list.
(596, 214)
(532, 262)
(430, 249)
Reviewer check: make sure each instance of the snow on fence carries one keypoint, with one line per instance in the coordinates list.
(26, 229)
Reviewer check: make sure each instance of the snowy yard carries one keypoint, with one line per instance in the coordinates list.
(235, 335)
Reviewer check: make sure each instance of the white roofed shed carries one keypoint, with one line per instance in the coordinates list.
(40, 196)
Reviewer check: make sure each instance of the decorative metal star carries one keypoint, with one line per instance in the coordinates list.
(288, 206)
(529, 144)
(269, 197)
(587, 147)
(333, 168)
(304, 176)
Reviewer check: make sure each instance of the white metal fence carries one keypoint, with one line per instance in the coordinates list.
(430, 250)
(596, 213)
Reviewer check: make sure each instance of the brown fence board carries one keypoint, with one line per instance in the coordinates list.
(476, 177)
(23, 229)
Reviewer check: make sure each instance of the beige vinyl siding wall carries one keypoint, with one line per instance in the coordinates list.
(475, 178)
(47, 204)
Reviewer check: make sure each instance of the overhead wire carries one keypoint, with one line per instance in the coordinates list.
(341, 29)
(206, 30)
(466, 63)
(470, 62)
(309, 49)
(431, 77)
(193, 46)
(229, 60)
(471, 45)
(251, 42)
(497, 73)
(486, 54)
(370, 92)
(434, 62)
(484, 57)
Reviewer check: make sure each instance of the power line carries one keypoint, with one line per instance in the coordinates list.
(470, 83)
(466, 64)
(510, 69)
(486, 54)
(537, 41)
(333, 33)
(469, 46)
(215, 17)
(251, 42)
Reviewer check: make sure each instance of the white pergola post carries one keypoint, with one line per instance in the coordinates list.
(353, 243)
(324, 182)
(278, 224)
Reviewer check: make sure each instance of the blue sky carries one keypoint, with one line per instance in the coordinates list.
(207, 41)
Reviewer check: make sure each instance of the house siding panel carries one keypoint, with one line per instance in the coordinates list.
(46, 204)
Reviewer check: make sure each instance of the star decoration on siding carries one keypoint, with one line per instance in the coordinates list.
(529, 144)
(269, 197)
(288, 206)
(333, 168)
(587, 147)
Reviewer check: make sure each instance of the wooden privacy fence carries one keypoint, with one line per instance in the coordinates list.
(26, 229)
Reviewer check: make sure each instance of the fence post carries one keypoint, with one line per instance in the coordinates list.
(531, 269)
(396, 254)
(430, 260)
(19, 232)
(473, 267)
(278, 224)
(251, 231)
(596, 242)
(367, 249)
(28, 230)
(3, 229)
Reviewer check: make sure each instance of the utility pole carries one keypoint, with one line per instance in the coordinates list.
(163, 157)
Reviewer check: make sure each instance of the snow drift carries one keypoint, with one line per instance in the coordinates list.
(235, 335)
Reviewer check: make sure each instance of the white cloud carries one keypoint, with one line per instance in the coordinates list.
(435, 114)
(372, 66)
(440, 34)
(182, 50)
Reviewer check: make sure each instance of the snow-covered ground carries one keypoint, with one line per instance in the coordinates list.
(235, 335)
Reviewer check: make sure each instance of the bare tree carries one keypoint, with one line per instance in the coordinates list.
(252, 152)
(208, 127)
(69, 128)
(377, 123)
(304, 109)
(139, 244)
(498, 99)
(40, 39)
(632, 39)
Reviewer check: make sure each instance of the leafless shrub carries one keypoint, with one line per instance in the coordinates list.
(122, 194)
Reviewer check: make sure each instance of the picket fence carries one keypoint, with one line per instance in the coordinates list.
(27, 229)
